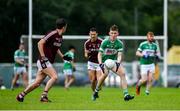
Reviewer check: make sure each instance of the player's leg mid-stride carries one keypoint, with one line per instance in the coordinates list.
(138, 88)
(48, 47)
(146, 78)
(127, 96)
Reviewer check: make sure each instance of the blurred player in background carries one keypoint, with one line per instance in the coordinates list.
(20, 66)
(48, 48)
(91, 48)
(69, 67)
(111, 48)
(147, 51)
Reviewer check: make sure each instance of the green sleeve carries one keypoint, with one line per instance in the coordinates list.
(102, 46)
(120, 48)
(140, 47)
(72, 55)
(16, 54)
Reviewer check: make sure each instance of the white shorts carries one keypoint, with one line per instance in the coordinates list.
(19, 70)
(39, 65)
(68, 71)
(147, 68)
(93, 66)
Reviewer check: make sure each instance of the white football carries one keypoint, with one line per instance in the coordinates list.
(3, 87)
(109, 63)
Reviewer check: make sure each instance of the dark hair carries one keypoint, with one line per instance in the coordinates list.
(71, 47)
(114, 28)
(60, 23)
(93, 29)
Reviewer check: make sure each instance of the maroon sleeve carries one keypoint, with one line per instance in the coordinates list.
(49, 35)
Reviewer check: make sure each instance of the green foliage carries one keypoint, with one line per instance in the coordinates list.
(174, 24)
(146, 15)
(13, 22)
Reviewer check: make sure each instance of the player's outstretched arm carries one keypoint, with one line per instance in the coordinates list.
(73, 65)
(119, 57)
(139, 54)
(86, 53)
(40, 47)
(100, 57)
(60, 53)
(19, 61)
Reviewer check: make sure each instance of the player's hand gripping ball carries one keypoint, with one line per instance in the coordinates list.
(109, 63)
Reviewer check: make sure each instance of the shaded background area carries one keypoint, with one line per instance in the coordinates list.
(132, 17)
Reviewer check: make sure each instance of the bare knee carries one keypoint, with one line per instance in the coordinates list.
(25, 77)
(120, 72)
(93, 79)
(54, 77)
(16, 77)
(150, 80)
(103, 76)
(122, 75)
(143, 80)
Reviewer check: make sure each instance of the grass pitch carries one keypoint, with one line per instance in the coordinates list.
(79, 98)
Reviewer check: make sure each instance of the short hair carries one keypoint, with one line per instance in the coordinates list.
(60, 23)
(93, 29)
(114, 28)
(150, 33)
(72, 47)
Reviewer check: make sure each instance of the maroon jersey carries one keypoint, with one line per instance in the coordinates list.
(52, 44)
(93, 48)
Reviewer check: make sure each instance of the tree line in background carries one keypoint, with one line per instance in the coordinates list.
(134, 17)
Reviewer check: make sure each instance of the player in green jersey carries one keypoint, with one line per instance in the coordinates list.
(111, 48)
(19, 66)
(147, 51)
(69, 67)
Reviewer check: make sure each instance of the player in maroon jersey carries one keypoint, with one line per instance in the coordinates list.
(91, 48)
(48, 48)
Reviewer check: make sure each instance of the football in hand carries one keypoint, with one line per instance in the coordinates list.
(109, 63)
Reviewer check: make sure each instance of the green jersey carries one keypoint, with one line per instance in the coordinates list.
(110, 49)
(149, 49)
(18, 54)
(67, 64)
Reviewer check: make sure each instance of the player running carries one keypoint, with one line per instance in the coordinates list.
(48, 48)
(69, 67)
(111, 48)
(91, 48)
(147, 51)
(20, 66)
